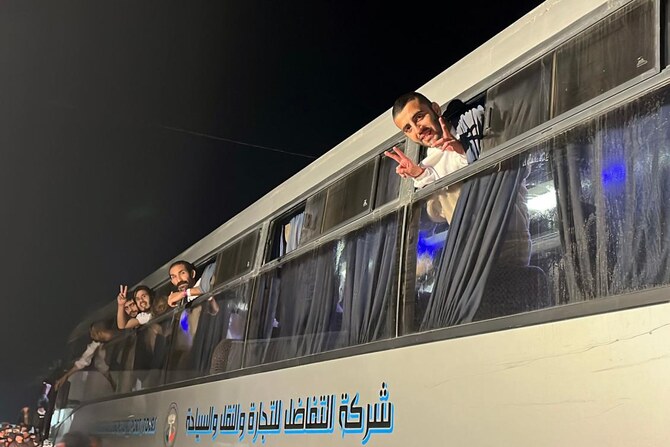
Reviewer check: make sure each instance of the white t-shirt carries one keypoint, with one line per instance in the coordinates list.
(143, 317)
(437, 164)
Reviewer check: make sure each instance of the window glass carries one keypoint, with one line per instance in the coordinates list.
(104, 375)
(518, 103)
(209, 336)
(236, 259)
(629, 180)
(349, 196)
(151, 349)
(122, 358)
(340, 294)
(611, 52)
(388, 182)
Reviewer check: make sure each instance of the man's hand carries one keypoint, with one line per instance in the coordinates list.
(121, 297)
(447, 142)
(406, 167)
(175, 298)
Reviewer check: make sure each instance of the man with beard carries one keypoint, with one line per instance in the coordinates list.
(126, 308)
(141, 307)
(143, 297)
(447, 138)
(182, 277)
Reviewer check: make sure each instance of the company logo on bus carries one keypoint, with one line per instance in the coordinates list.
(170, 433)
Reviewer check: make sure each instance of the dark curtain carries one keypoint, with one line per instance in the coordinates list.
(477, 232)
(337, 295)
(297, 302)
(368, 289)
(213, 327)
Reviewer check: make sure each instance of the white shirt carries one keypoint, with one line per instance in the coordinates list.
(437, 164)
(97, 349)
(143, 317)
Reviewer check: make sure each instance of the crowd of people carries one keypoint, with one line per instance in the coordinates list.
(137, 309)
(19, 435)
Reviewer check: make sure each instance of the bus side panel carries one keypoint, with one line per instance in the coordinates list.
(597, 380)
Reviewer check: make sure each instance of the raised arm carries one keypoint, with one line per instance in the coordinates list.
(121, 317)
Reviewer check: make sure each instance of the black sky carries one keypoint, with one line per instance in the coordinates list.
(98, 190)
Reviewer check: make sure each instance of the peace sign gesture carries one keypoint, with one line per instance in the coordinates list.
(406, 167)
(121, 297)
(447, 142)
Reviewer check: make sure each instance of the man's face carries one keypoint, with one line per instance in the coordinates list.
(131, 308)
(181, 277)
(420, 122)
(143, 300)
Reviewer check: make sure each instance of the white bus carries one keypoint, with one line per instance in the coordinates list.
(351, 313)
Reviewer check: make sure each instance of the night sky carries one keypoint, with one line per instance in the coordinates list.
(106, 174)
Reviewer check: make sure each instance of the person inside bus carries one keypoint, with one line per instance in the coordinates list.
(100, 333)
(126, 308)
(183, 278)
(143, 299)
(422, 122)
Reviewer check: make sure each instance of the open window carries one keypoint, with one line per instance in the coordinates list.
(286, 231)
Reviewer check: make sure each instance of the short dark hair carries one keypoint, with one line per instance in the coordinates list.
(146, 289)
(454, 110)
(190, 267)
(402, 101)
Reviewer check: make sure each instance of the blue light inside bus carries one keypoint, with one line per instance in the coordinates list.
(183, 322)
(614, 175)
(429, 245)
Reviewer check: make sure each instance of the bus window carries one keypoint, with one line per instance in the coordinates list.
(349, 197)
(237, 258)
(151, 349)
(388, 182)
(340, 294)
(611, 52)
(122, 352)
(313, 218)
(427, 234)
(209, 336)
(614, 189)
(518, 103)
(470, 250)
